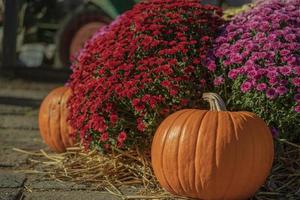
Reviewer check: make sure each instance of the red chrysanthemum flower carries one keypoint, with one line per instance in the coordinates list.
(143, 66)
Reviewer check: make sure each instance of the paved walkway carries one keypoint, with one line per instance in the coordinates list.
(19, 103)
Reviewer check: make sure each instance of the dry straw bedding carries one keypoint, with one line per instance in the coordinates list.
(133, 168)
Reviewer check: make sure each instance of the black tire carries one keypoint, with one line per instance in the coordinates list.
(71, 25)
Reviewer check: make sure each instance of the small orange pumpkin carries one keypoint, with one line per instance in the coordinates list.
(213, 154)
(53, 124)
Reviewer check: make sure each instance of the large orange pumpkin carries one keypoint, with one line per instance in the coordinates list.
(53, 124)
(213, 154)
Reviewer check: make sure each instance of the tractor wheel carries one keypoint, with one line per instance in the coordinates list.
(76, 30)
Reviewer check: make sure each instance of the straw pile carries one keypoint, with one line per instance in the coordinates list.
(284, 180)
(133, 167)
(104, 172)
(230, 12)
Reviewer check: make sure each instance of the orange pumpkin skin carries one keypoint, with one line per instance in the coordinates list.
(53, 124)
(212, 154)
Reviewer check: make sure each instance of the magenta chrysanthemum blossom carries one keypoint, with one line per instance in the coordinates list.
(259, 53)
(261, 86)
(246, 86)
(297, 98)
(219, 81)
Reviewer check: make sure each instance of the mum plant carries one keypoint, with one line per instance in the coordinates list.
(256, 64)
(146, 64)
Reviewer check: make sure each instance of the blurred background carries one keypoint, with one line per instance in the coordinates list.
(40, 37)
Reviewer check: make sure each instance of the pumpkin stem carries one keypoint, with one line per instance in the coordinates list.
(216, 103)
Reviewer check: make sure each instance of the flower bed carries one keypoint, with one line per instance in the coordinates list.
(256, 64)
(144, 66)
